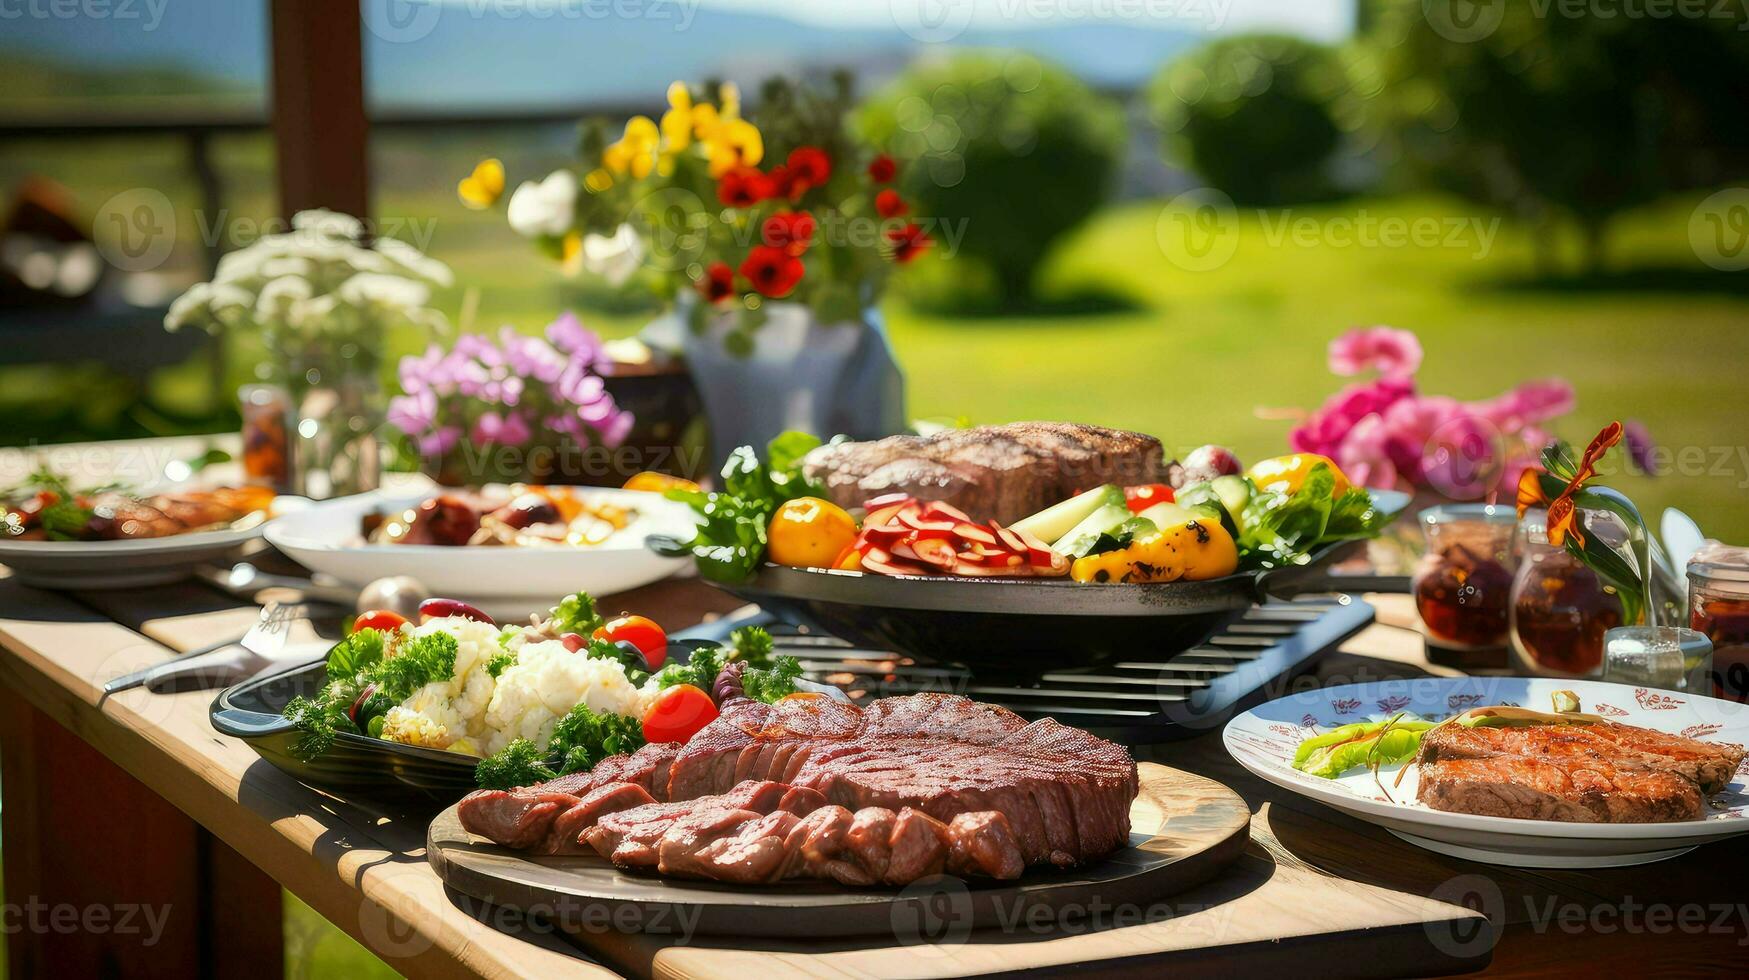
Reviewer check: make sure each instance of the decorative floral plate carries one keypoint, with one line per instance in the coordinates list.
(1263, 740)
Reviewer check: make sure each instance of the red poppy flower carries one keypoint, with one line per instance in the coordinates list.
(909, 242)
(718, 283)
(780, 182)
(889, 204)
(792, 231)
(882, 169)
(743, 187)
(808, 166)
(772, 271)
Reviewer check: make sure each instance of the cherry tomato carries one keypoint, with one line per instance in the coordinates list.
(1142, 497)
(678, 713)
(442, 608)
(378, 619)
(641, 632)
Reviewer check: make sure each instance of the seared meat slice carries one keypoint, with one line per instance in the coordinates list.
(992, 472)
(1575, 790)
(1707, 764)
(523, 817)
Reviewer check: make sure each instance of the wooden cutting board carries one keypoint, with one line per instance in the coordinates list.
(1184, 830)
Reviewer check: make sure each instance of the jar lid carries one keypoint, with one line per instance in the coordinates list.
(1719, 562)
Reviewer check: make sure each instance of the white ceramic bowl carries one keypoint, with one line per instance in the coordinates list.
(506, 582)
(1263, 740)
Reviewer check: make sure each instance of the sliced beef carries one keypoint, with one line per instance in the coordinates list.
(909, 786)
(993, 472)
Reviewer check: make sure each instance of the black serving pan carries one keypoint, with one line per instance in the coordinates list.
(1021, 627)
(357, 765)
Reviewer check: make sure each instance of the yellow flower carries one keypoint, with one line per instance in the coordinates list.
(729, 94)
(635, 152)
(733, 143)
(482, 188)
(677, 121)
(571, 258)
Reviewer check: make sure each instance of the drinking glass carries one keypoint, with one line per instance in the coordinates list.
(1560, 610)
(1668, 657)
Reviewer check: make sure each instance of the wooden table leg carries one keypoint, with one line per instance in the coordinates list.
(105, 878)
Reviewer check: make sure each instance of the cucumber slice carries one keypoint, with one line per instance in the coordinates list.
(1081, 538)
(1235, 493)
(1052, 523)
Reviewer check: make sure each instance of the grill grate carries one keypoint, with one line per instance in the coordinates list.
(1140, 700)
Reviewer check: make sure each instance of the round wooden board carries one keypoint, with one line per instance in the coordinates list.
(1183, 830)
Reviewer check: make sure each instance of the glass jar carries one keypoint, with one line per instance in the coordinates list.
(1718, 606)
(1463, 585)
(266, 413)
(1667, 657)
(1560, 610)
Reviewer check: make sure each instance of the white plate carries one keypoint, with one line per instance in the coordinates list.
(1264, 739)
(101, 565)
(506, 582)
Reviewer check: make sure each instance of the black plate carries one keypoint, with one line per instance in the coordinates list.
(371, 768)
(1017, 628)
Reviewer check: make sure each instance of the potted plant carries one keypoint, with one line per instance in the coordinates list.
(770, 235)
(320, 299)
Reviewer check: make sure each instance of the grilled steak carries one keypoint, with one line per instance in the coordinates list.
(1601, 772)
(909, 786)
(992, 472)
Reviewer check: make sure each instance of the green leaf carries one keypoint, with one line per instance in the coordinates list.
(739, 343)
(786, 451)
(355, 654)
(576, 614)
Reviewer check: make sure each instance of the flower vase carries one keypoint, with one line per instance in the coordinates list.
(337, 408)
(825, 379)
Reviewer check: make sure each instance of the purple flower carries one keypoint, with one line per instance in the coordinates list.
(439, 442)
(1640, 446)
(413, 413)
(1392, 353)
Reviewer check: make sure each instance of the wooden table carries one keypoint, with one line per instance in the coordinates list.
(133, 808)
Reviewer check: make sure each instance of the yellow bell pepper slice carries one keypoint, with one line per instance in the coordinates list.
(1191, 552)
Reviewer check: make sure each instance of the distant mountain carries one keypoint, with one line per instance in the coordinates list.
(480, 53)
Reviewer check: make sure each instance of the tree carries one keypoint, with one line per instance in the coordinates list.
(1018, 148)
(1552, 115)
(1253, 115)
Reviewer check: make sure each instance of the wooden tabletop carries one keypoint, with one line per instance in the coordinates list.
(1317, 893)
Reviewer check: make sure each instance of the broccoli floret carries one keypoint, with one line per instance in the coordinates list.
(769, 684)
(517, 764)
(576, 614)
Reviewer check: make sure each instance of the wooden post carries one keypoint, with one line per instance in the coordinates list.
(320, 132)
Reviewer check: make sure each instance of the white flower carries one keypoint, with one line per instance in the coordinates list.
(396, 292)
(415, 261)
(287, 265)
(313, 312)
(545, 208)
(331, 224)
(279, 295)
(184, 308)
(613, 258)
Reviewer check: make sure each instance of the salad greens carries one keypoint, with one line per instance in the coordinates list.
(1372, 743)
(731, 538)
(1279, 528)
(580, 740)
(575, 614)
(774, 676)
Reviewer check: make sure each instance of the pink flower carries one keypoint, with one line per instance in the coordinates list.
(1392, 353)
(438, 442)
(413, 413)
(504, 430)
(1364, 454)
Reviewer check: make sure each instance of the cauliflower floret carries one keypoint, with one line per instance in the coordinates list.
(409, 727)
(475, 643)
(544, 684)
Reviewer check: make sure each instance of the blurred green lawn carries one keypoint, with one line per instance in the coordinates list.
(1193, 357)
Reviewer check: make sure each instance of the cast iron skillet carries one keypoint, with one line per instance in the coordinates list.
(1016, 627)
